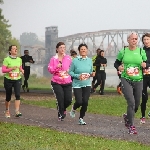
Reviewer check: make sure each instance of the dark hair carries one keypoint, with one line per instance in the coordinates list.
(72, 50)
(25, 50)
(101, 52)
(82, 45)
(146, 34)
(98, 49)
(10, 47)
(73, 53)
(59, 44)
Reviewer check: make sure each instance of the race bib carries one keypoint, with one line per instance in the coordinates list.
(63, 74)
(13, 75)
(102, 68)
(85, 76)
(146, 71)
(27, 64)
(133, 71)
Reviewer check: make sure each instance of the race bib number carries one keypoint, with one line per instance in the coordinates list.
(85, 76)
(63, 74)
(133, 71)
(102, 68)
(27, 64)
(13, 75)
(146, 71)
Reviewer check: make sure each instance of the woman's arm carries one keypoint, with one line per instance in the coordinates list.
(117, 64)
(5, 69)
(54, 68)
(72, 71)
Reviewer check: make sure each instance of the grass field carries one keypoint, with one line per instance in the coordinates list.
(39, 83)
(20, 137)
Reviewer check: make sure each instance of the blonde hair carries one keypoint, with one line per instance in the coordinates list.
(131, 33)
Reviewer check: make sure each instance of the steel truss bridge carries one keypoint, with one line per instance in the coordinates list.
(111, 41)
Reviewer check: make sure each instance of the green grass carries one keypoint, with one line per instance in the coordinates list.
(36, 83)
(21, 137)
(114, 105)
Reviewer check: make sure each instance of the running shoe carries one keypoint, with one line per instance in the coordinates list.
(72, 113)
(126, 121)
(27, 89)
(101, 93)
(81, 122)
(93, 90)
(7, 114)
(18, 114)
(60, 118)
(132, 130)
(65, 113)
(142, 121)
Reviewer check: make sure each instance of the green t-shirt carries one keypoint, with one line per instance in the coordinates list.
(132, 60)
(11, 62)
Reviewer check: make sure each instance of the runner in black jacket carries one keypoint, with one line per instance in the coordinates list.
(26, 62)
(146, 75)
(100, 64)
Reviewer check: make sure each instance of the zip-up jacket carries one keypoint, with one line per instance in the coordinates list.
(60, 74)
(146, 71)
(100, 60)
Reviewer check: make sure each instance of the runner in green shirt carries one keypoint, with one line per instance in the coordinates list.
(12, 67)
(130, 62)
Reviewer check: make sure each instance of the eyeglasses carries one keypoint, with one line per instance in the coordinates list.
(134, 39)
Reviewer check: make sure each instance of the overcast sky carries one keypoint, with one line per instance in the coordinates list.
(75, 16)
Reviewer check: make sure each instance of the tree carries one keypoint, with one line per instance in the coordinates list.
(5, 36)
(28, 39)
(1, 1)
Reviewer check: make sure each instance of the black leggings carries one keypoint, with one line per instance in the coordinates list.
(26, 77)
(8, 85)
(146, 83)
(81, 99)
(63, 93)
(101, 77)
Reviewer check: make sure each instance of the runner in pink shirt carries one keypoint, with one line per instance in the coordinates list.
(61, 81)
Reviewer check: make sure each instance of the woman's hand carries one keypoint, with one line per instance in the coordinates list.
(121, 68)
(14, 68)
(92, 74)
(22, 71)
(143, 64)
(59, 65)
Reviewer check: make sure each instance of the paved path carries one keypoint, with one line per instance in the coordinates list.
(97, 125)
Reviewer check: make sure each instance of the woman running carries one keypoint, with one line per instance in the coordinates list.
(12, 67)
(61, 81)
(133, 59)
(81, 69)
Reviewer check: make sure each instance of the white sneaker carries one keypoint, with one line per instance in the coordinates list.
(142, 121)
(81, 122)
(72, 113)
